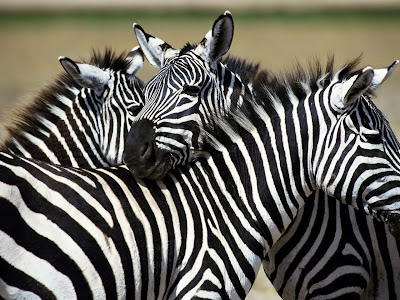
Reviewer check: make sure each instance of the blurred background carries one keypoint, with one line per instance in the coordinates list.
(275, 33)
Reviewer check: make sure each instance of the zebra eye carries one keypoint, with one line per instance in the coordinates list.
(191, 90)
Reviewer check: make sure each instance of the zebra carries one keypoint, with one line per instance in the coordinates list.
(194, 95)
(131, 239)
(82, 118)
(31, 197)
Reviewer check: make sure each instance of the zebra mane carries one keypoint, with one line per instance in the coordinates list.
(272, 91)
(187, 47)
(28, 118)
(245, 70)
(108, 59)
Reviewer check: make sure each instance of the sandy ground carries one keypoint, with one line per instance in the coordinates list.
(28, 58)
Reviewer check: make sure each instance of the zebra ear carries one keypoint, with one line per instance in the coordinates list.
(380, 75)
(155, 49)
(357, 85)
(218, 40)
(85, 75)
(367, 80)
(135, 58)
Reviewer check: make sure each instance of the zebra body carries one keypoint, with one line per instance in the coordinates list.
(329, 109)
(82, 118)
(109, 236)
(359, 258)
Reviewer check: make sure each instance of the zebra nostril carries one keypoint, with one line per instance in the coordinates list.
(146, 150)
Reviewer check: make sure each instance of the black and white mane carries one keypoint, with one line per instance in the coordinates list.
(313, 77)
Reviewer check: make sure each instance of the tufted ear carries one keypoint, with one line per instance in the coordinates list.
(218, 40)
(155, 49)
(85, 75)
(367, 80)
(357, 85)
(135, 58)
(380, 75)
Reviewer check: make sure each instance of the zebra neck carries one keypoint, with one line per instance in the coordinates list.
(356, 177)
(56, 134)
(265, 167)
(35, 123)
(230, 91)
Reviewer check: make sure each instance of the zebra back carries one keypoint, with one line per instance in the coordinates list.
(74, 233)
(82, 118)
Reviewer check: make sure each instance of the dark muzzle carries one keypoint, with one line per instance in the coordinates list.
(141, 155)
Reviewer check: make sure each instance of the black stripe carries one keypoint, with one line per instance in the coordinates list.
(18, 279)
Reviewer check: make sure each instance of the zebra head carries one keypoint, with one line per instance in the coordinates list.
(109, 99)
(188, 86)
(359, 159)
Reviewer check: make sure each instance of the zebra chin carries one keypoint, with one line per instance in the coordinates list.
(154, 165)
(157, 171)
(393, 221)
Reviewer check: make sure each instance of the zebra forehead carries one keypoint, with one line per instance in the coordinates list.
(173, 76)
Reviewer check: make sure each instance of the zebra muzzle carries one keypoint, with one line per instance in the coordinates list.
(143, 158)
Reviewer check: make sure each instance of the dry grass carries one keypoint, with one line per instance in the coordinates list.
(28, 56)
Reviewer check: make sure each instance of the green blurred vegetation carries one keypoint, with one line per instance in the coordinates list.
(114, 17)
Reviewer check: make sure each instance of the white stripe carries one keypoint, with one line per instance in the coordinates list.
(21, 148)
(303, 173)
(166, 143)
(188, 239)
(92, 123)
(75, 139)
(284, 263)
(252, 259)
(329, 164)
(321, 131)
(332, 249)
(268, 124)
(197, 264)
(43, 147)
